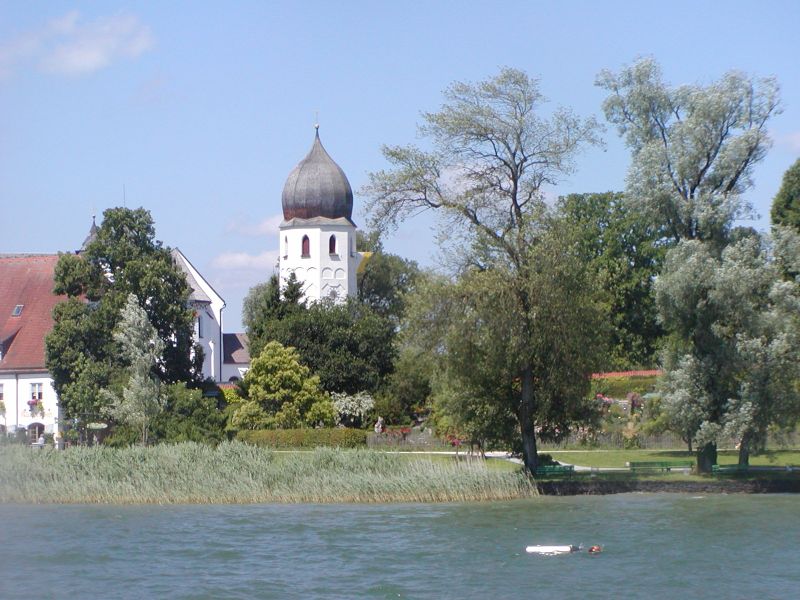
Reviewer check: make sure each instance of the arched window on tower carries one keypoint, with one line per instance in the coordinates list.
(285, 246)
(332, 245)
(306, 247)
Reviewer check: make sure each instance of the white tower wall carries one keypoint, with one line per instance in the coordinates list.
(324, 274)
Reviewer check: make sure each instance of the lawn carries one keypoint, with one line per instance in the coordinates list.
(619, 458)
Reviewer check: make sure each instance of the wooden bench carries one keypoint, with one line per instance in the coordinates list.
(662, 465)
(555, 470)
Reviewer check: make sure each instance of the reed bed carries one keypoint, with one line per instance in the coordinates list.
(238, 473)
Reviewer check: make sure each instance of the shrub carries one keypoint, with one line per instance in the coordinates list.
(305, 438)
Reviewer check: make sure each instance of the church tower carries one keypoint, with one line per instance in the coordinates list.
(317, 235)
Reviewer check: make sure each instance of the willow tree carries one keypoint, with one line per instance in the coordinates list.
(491, 153)
(694, 149)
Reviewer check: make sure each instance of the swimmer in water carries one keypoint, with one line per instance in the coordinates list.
(595, 550)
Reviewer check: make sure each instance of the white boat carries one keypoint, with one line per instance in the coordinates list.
(551, 549)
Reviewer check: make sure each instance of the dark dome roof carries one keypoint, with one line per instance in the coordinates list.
(317, 187)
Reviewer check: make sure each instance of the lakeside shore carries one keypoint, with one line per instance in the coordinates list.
(238, 473)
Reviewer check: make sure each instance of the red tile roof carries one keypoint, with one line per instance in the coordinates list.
(26, 280)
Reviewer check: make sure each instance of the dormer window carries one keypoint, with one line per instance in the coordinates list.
(306, 247)
(17, 310)
(332, 245)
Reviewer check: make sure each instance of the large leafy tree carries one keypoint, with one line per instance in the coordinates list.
(484, 341)
(786, 205)
(694, 149)
(348, 345)
(736, 361)
(491, 152)
(626, 251)
(123, 258)
(282, 393)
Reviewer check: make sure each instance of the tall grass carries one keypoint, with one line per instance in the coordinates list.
(234, 472)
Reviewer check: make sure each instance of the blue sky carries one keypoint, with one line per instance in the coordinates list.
(200, 110)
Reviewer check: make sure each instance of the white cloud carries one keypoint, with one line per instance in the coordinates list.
(267, 227)
(263, 262)
(68, 46)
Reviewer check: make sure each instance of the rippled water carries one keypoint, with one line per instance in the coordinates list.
(655, 546)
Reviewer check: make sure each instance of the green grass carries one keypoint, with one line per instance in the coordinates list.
(239, 473)
(619, 458)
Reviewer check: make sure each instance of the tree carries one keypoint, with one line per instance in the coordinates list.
(347, 345)
(735, 362)
(141, 399)
(627, 252)
(189, 415)
(491, 154)
(694, 147)
(385, 279)
(786, 205)
(124, 258)
(265, 304)
(282, 393)
(694, 150)
(404, 397)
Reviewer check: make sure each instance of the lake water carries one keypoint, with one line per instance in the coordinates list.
(655, 546)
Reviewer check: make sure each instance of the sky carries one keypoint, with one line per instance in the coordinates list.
(198, 111)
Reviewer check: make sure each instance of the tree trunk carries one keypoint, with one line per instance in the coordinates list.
(526, 422)
(706, 457)
(744, 451)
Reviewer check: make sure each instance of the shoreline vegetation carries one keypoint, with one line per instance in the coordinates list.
(239, 473)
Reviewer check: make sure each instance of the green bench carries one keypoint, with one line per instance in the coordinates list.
(662, 465)
(737, 468)
(555, 470)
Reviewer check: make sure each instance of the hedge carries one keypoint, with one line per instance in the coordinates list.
(305, 438)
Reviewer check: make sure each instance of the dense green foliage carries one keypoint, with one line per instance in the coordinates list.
(337, 437)
(786, 205)
(734, 364)
(281, 392)
(404, 398)
(190, 416)
(385, 279)
(82, 355)
(266, 305)
(348, 345)
(625, 251)
(244, 473)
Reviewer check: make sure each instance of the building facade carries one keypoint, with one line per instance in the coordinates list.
(26, 305)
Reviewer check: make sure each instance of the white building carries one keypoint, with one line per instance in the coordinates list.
(207, 305)
(26, 306)
(317, 235)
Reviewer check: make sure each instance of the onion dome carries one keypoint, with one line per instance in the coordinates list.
(317, 187)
